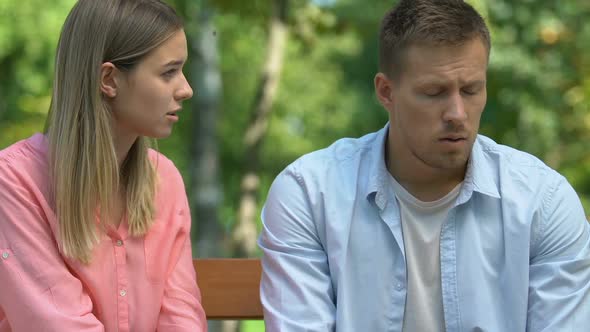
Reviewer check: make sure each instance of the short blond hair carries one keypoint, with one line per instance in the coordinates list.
(430, 22)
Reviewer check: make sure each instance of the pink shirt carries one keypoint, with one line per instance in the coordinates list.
(132, 284)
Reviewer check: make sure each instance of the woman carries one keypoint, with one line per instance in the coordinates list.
(94, 226)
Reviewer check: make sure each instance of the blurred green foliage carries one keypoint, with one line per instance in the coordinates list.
(538, 82)
(29, 31)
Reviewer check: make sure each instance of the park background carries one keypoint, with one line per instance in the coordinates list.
(275, 79)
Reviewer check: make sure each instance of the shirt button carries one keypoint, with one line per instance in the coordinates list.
(5, 255)
(123, 292)
(119, 243)
(399, 287)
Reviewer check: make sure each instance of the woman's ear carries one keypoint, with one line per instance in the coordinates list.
(108, 79)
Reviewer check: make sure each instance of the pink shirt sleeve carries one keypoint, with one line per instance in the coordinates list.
(181, 308)
(38, 291)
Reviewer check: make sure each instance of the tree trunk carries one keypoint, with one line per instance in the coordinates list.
(244, 236)
(206, 192)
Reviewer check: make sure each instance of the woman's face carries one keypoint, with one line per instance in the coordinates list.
(149, 97)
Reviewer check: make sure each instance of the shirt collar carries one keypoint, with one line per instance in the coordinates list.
(479, 177)
(378, 184)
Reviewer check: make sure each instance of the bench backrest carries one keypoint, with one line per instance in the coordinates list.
(229, 287)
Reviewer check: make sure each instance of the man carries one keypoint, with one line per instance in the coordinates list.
(425, 225)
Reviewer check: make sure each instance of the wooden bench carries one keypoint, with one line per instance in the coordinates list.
(229, 287)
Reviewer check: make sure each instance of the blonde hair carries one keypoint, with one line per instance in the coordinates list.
(85, 173)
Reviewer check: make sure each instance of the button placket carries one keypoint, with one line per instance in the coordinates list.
(119, 248)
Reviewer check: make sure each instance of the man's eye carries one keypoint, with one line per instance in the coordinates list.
(433, 93)
(469, 92)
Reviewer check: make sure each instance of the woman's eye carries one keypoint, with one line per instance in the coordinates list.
(170, 72)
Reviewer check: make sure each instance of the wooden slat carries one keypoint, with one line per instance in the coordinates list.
(230, 287)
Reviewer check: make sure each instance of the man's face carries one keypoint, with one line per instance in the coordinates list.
(436, 103)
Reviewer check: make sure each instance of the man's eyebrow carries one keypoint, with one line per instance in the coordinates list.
(439, 82)
(476, 82)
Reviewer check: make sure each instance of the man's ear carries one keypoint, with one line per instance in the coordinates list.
(108, 79)
(383, 90)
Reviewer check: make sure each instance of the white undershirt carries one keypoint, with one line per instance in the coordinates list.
(421, 226)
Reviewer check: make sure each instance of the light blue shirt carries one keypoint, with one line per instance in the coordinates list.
(514, 250)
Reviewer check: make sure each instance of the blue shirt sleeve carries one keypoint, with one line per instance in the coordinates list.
(559, 280)
(296, 289)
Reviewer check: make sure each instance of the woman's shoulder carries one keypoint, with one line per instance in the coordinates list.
(24, 185)
(25, 161)
(165, 168)
(22, 151)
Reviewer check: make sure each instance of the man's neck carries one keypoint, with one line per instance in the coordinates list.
(422, 181)
(428, 191)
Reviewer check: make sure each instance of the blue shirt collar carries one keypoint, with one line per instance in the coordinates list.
(480, 176)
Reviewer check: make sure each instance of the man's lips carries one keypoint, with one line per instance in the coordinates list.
(454, 137)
